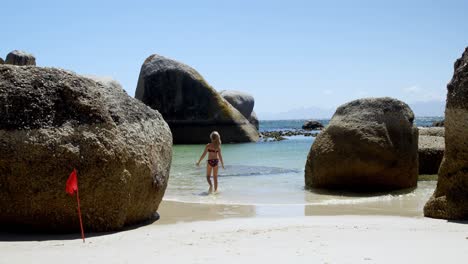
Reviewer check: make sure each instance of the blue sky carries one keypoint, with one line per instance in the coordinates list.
(288, 54)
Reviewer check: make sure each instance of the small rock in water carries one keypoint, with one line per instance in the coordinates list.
(438, 123)
(312, 125)
(280, 135)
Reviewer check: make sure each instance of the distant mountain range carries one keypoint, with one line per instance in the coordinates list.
(429, 108)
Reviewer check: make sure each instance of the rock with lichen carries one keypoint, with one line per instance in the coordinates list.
(370, 145)
(52, 121)
(450, 198)
(191, 107)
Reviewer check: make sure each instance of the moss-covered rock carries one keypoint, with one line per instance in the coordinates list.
(244, 103)
(253, 119)
(190, 106)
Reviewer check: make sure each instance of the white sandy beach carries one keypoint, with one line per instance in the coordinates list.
(309, 239)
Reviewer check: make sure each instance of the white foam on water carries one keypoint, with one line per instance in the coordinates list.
(324, 199)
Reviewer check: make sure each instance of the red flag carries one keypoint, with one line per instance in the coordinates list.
(71, 188)
(72, 183)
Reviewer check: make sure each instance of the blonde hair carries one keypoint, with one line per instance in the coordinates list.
(215, 139)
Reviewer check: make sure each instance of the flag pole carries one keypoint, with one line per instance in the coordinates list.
(79, 214)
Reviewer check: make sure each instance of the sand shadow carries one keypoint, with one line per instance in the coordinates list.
(18, 234)
(208, 193)
(462, 222)
(358, 193)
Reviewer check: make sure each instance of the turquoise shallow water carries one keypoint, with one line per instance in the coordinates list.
(268, 173)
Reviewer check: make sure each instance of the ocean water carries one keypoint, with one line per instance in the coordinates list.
(272, 173)
(276, 125)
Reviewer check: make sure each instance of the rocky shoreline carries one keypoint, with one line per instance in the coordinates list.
(279, 135)
(282, 134)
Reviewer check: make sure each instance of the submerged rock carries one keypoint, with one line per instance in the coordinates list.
(450, 199)
(369, 145)
(20, 58)
(191, 107)
(52, 121)
(312, 125)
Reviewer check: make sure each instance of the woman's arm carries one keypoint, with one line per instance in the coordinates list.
(221, 158)
(203, 155)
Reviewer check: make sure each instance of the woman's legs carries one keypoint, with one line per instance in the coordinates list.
(208, 174)
(215, 177)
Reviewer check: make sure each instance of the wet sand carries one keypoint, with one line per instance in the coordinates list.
(398, 204)
(176, 212)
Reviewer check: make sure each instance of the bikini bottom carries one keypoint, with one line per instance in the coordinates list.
(213, 162)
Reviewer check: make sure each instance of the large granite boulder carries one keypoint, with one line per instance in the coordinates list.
(1, 61)
(20, 58)
(430, 153)
(312, 125)
(369, 145)
(52, 121)
(191, 107)
(243, 102)
(450, 199)
(253, 119)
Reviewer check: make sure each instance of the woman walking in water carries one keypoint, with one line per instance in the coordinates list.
(214, 157)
